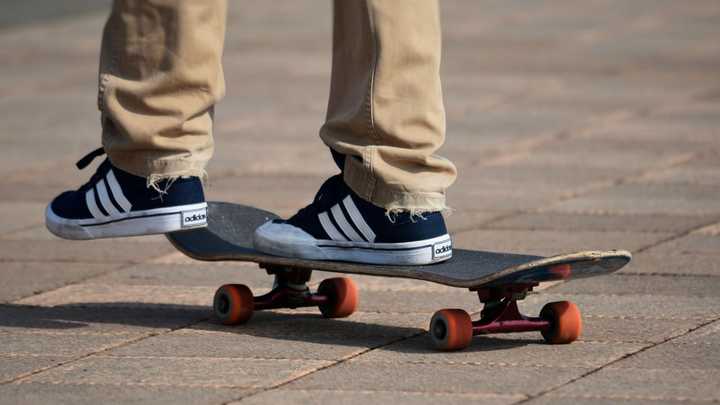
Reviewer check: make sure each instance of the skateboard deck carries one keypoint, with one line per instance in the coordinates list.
(499, 279)
(229, 234)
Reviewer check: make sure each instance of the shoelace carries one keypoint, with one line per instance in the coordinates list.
(87, 159)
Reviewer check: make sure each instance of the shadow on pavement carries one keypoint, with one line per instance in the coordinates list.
(302, 326)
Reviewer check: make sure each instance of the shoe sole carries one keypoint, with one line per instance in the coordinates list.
(148, 222)
(296, 243)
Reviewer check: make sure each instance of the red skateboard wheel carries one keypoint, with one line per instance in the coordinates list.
(233, 304)
(565, 322)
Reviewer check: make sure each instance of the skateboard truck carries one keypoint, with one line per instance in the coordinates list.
(234, 304)
(453, 329)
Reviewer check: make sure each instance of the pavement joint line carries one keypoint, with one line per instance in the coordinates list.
(498, 364)
(8, 235)
(674, 237)
(15, 354)
(25, 376)
(632, 294)
(600, 185)
(424, 393)
(670, 162)
(120, 266)
(640, 398)
(224, 358)
(70, 333)
(614, 213)
(80, 281)
(341, 360)
(709, 230)
(668, 275)
(645, 318)
(618, 360)
(134, 384)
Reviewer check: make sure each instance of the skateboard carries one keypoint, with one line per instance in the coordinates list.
(499, 280)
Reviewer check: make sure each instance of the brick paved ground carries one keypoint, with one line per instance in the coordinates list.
(591, 124)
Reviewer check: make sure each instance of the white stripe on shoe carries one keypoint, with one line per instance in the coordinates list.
(345, 226)
(92, 206)
(105, 199)
(358, 219)
(329, 228)
(117, 191)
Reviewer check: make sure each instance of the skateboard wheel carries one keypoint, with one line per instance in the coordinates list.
(342, 297)
(451, 329)
(233, 304)
(565, 322)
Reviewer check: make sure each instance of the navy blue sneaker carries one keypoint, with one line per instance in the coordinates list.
(339, 225)
(116, 203)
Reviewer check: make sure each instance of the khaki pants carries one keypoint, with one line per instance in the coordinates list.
(161, 74)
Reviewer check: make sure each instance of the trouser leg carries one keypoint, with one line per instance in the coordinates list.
(385, 110)
(160, 76)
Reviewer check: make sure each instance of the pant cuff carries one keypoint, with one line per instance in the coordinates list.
(156, 168)
(358, 176)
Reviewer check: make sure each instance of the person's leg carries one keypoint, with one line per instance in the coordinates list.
(386, 109)
(384, 123)
(160, 76)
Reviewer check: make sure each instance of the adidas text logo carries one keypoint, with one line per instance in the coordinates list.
(442, 249)
(194, 218)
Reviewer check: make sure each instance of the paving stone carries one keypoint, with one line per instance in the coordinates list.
(287, 335)
(626, 284)
(40, 233)
(17, 366)
(379, 284)
(139, 296)
(21, 279)
(704, 170)
(669, 199)
(695, 243)
(29, 344)
(688, 385)
(499, 197)
(710, 230)
(287, 192)
(675, 356)
(639, 307)
(615, 329)
(38, 393)
(659, 260)
(97, 319)
(517, 350)
(330, 396)
(185, 372)
(193, 274)
(463, 220)
(553, 242)
(97, 251)
(39, 184)
(260, 157)
(596, 400)
(460, 379)
(706, 335)
(418, 301)
(18, 215)
(600, 223)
